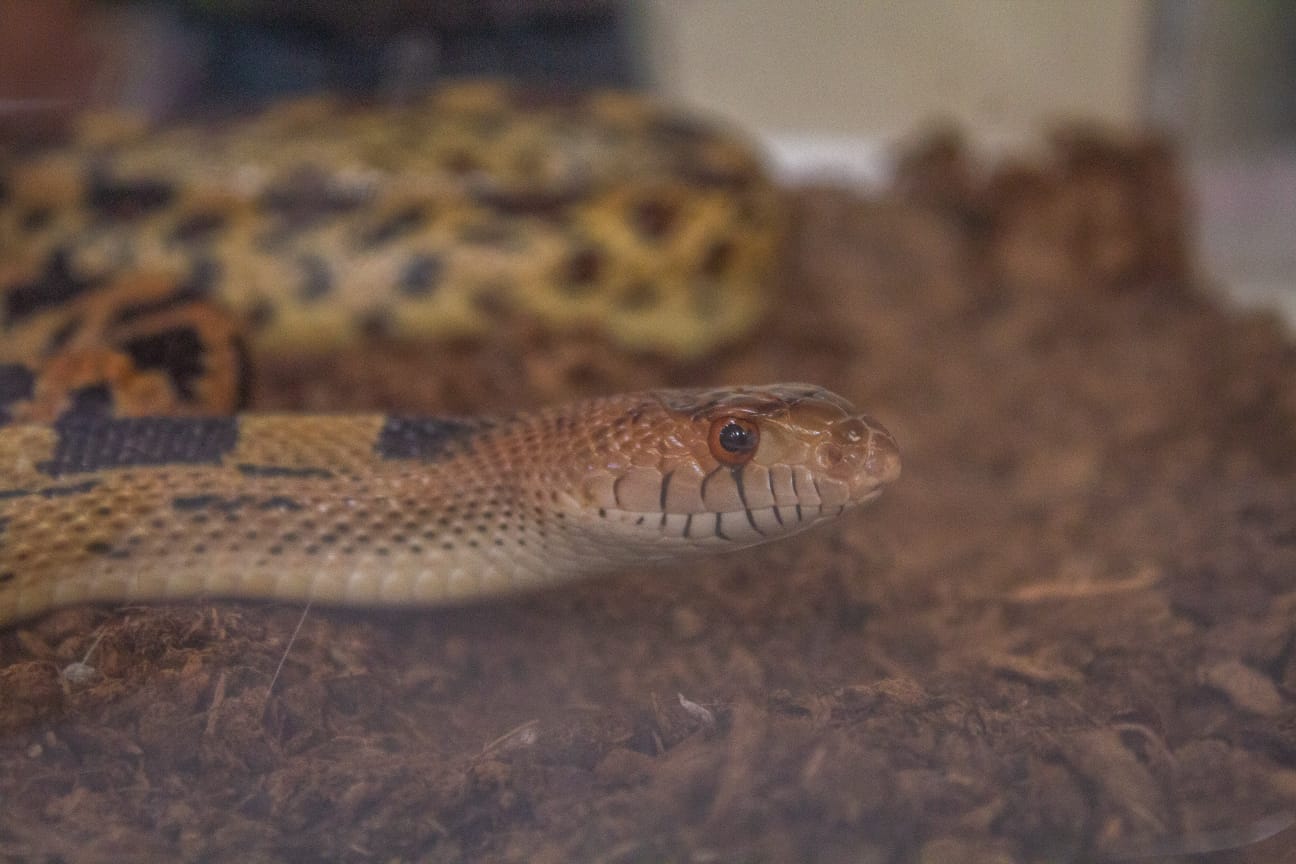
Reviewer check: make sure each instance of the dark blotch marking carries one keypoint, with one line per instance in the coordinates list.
(197, 228)
(135, 311)
(583, 270)
(401, 222)
(115, 198)
(35, 218)
(92, 443)
(426, 438)
(98, 547)
(316, 279)
(461, 162)
(179, 352)
(260, 315)
(6, 494)
(55, 286)
(280, 502)
(65, 491)
(718, 258)
(309, 195)
(654, 219)
(63, 334)
(542, 204)
(376, 326)
(7, 576)
(492, 301)
(709, 175)
(17, 384)
(92, 400)
(420, 276)
(247, 469)
(196, 502)
(231, 506)
(203, 277)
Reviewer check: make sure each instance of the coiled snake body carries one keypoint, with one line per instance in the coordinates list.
(126, 289)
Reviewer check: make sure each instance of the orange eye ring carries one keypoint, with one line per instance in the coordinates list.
(733, 440)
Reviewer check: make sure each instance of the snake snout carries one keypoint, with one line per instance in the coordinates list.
(860, 451)
(882, 459)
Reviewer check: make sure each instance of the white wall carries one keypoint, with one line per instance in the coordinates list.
(852, 68)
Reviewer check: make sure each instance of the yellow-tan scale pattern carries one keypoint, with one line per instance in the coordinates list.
(380, 510)
(317, 222)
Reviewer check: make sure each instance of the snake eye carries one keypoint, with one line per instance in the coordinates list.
(733, 440)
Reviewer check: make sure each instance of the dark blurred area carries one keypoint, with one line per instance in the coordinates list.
(195, 57)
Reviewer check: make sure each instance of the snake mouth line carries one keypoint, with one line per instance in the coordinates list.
(739, 526)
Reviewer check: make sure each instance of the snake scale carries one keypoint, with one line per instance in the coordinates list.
(136, 264)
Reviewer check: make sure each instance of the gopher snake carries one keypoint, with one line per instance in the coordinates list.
(385, 510)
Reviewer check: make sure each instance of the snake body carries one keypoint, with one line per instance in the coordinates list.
(383, 510)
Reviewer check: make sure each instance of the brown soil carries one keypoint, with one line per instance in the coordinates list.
(1068, 634)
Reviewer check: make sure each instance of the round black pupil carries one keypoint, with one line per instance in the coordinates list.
(735, 438)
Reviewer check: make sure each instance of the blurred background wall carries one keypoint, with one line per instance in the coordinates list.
(858, 68)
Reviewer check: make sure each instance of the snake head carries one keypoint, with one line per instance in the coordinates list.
(735, 466)
(763, 432)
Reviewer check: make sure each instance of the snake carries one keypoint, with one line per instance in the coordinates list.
(383, 510)
(137, 266)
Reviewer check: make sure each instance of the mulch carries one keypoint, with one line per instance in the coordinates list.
(1067, 634)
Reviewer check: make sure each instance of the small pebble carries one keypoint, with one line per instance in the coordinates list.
(1245, 687)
